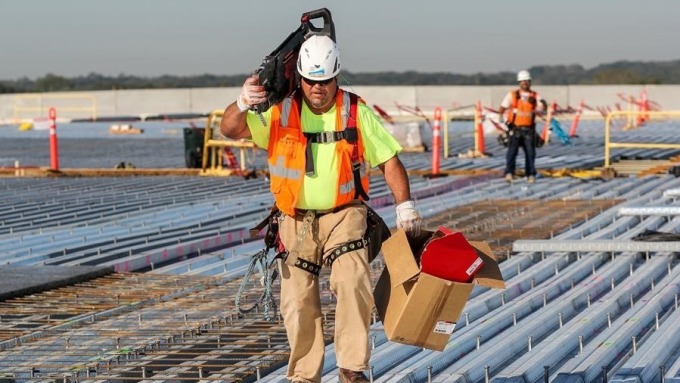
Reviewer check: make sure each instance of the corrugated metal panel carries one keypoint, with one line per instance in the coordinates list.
(171, 224)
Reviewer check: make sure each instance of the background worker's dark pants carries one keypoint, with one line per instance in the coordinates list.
(524, 137)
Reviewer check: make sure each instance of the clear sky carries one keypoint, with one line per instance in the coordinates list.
(227, 37)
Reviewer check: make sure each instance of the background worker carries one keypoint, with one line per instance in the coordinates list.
(319, 195)
(521, 105)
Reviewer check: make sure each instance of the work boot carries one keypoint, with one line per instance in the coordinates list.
(508, 177)
(349, 376)
(531, 179)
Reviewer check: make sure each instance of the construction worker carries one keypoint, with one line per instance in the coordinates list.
(316, 160)
(521, 105)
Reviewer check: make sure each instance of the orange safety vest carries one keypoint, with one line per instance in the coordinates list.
(287, 151)
(523, 107)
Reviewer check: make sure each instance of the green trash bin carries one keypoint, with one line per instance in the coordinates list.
(193, 147)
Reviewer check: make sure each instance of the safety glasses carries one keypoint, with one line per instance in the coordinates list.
(314, 82)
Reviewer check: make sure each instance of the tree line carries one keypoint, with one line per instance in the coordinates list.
(621, 72)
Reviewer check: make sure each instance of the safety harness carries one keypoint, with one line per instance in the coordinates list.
(523, 111)
(376, 231)
(350, 134)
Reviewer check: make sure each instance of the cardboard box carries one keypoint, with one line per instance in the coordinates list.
(420, 309)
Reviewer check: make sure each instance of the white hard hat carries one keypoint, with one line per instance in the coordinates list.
(319, 58)
(523, 75)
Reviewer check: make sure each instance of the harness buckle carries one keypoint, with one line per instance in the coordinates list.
(326, 137)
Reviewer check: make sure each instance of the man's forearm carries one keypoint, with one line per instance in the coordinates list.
(396, 179)
(233, 124)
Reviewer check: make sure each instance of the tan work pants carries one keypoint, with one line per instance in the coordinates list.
(349, 280)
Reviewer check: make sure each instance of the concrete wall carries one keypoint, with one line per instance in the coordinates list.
(203, 100)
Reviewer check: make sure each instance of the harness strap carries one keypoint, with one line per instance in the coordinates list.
(356, 163)
(345, 248)
(328, 137)
(325, 138)
(308, 266)
(305, 265)
(292, 257)
(255, 230)
(315, 269)
(515, 101)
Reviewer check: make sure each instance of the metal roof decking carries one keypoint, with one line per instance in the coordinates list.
(21, 280)
(594, 246)
(162, 317)
(673, 372)
(564, 343)
(604, 349)
(527, 317)
(78, 304)
(136, 228)
(645, 364)
(188, 325)
(160, 202)
(114, 206)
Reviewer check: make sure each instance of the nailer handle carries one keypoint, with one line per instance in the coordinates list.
(328, 28)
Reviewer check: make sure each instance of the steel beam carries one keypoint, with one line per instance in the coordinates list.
(650, 210)
(593, 246)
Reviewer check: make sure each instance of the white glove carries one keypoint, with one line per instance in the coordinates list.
(408, 218)
(501, 118)
(252, 93)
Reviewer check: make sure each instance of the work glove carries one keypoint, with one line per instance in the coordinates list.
(408, 218)
(252, 93)
(501, 119)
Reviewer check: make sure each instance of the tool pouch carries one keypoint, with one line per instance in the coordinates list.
(376, 232)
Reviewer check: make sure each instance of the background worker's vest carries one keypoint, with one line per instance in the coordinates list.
(522, 112)
(288, 154)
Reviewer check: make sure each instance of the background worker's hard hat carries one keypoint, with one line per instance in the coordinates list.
(319, 58)
(523, 75)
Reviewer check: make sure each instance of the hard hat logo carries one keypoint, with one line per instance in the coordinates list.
(316, 72)
(319, 58)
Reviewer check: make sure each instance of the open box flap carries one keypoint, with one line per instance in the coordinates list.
(490, 274)
(399, 258)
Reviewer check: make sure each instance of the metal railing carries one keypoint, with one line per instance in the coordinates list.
(608, 144)
(215, 147)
